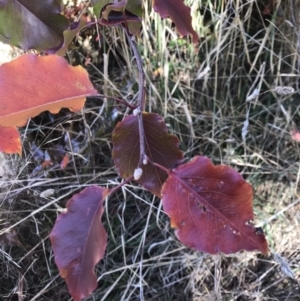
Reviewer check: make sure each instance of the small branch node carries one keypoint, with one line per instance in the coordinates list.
(136, 111)
(145, 159)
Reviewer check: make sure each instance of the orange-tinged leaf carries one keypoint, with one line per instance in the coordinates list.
(211, 208)
(10, 142)
(32, 84)
(79, 241)
(65, 161)
(179, 13)
(161, 148)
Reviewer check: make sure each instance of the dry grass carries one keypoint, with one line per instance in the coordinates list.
(203, 97)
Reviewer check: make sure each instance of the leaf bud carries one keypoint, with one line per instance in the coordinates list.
(136, 111)
(137, 173)
(145, 160)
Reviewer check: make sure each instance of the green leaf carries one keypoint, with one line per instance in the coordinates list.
(33, 24)
(98, 5)
(133, 6)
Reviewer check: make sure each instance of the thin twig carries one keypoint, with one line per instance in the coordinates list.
(123, 101)
(115, 188)
(141, 98)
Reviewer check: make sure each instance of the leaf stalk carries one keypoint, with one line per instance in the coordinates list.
(141, 97)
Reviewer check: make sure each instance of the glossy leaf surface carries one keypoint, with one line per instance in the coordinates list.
(179, 13)
(40, 84)
(211, 208)
(161, 148)
(33, 24)
(79, 241)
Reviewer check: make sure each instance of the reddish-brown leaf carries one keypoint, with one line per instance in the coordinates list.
(161, 148)
(32, 84)
(211, 208)
(179, 13)
(79, 241)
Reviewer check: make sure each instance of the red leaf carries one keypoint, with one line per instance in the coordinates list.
(211, 208)
(179, 13)
(10, 142)
(161, 148)
(33, 24)
(40, 84)
(79, 241)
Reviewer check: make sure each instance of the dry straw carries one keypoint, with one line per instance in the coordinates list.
(284, 90)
